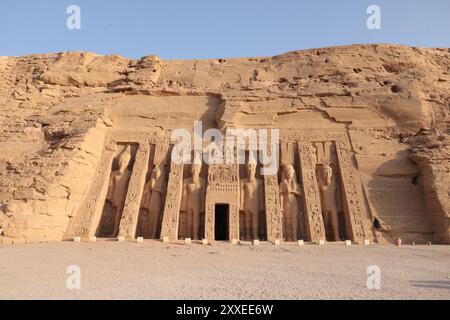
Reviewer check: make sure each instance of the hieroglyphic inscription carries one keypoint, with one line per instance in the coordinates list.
(173, 200)
(273, 210)
(313, 212)
(128, 222)
(353, 195)
(85, 222)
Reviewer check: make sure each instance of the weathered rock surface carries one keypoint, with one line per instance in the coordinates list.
(394, 102)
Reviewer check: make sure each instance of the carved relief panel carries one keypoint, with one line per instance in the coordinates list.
(222, 191)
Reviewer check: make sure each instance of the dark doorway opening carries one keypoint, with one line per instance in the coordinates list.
(221, 214)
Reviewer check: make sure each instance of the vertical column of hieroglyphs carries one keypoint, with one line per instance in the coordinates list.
(85, 222)
(234, 189)
(313, 210)
(129, 220)
(353, 196)
(273, 209)
(173, 198)
(272, 205)
(209, 221)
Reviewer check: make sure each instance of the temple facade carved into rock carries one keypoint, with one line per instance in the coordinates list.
(363, 148)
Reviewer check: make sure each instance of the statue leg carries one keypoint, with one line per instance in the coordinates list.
(335, 225)
(248, 223)
(118, 215)
(302, 224)
(255, 223)
(189, 224)
(294, 222)
(195, 224)
(154, 216)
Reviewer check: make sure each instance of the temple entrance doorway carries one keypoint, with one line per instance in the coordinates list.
(221, 221)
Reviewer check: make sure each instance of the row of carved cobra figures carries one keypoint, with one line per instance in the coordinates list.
(251, 200)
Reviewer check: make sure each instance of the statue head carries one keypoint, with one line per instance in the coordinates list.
(124, 160)
(158, 171)
(196, 169)
(289, 172)
(251, 169)
(324, 173)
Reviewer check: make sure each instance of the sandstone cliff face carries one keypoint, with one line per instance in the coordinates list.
(393, 101)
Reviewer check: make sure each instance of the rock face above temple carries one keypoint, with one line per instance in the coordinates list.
(63, 114)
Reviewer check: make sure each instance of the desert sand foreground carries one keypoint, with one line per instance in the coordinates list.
(154, 270)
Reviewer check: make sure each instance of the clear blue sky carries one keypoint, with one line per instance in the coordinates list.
(186, 29)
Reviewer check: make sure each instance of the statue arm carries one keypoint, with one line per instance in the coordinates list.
(298, 190)
(281, 194)
(146, 195)
(202, 196)
(241, 196)
(109, 195)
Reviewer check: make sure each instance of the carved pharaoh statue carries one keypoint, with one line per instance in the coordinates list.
(251, 201)
(328, 195)
(153, 199)
(193, 200)
(118, 186)
(290, 194)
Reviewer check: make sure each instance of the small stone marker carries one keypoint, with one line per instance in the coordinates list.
(77, 239)
(429, 243)
(187, 241)
(301, 242)
(321, 242)
(277, 242)
(399, 242)
(140, 239)
(367, 242)
(205, 241)
(413, 244)
(234, 241)
(255, 242)
(166, 239)
(348, 242)
(121, 238)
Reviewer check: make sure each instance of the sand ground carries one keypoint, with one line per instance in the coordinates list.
(154, 270)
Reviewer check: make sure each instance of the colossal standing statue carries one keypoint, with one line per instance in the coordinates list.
(118, 186)
(252, 202)
(154, 192)
(193, 200)
(328, 194)
(290, 194)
